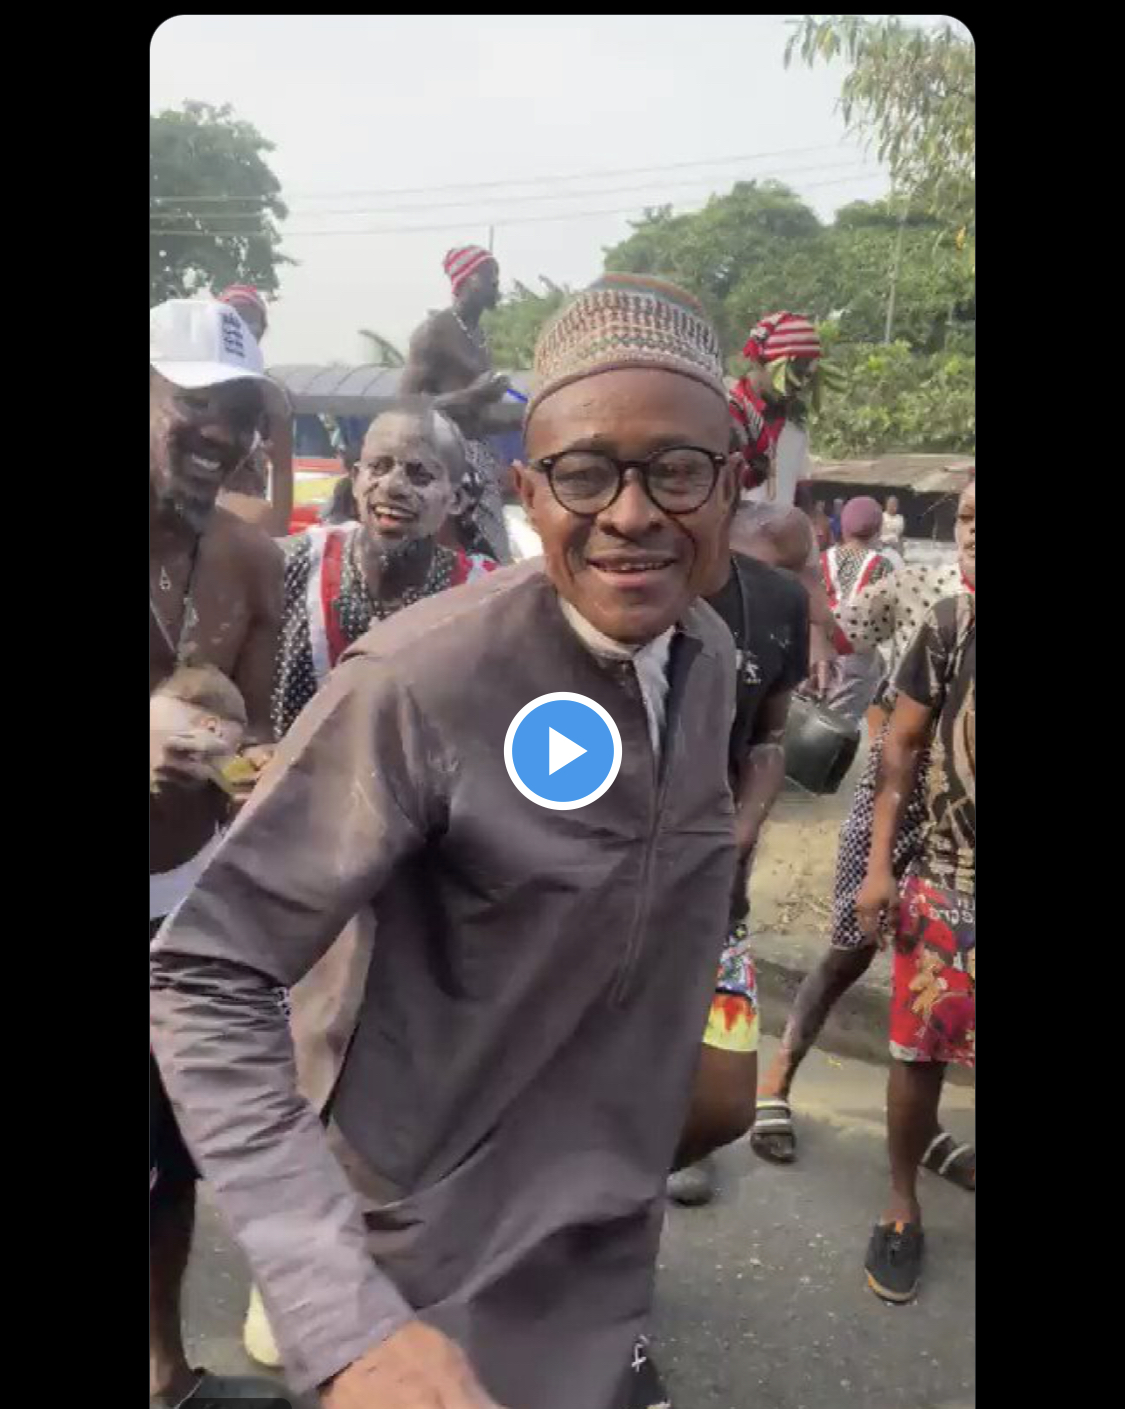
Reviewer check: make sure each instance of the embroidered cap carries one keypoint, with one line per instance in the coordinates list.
(628, 320)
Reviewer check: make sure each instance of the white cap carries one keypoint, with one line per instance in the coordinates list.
(199, 343)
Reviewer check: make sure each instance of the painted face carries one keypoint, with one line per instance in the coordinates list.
(966, 533)
(197, 437)
(402, 486)
(631, 569)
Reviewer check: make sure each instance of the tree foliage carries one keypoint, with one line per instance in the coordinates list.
(733, 240)
(913, 92)
(897, 400)
(759, 249)
(513, 327)
(214, 203)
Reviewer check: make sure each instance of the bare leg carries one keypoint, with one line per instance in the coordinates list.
(722, 1103)
(171, 1223)
(913, 1094)
(816, 997)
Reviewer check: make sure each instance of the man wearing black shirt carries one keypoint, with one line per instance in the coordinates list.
(767, 613)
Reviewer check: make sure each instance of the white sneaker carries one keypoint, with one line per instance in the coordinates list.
(257, 1335)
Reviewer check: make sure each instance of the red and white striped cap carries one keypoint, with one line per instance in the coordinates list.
(245, 293)
(782, 335)
(461, 264)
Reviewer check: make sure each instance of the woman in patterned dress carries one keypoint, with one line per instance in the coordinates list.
(890, 611)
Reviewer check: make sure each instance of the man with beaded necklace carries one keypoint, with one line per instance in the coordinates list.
(450, 361)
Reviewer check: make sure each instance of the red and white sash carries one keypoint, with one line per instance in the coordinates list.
(829, 567)
(327, 546)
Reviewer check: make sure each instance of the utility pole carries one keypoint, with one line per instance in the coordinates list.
(491, 232)
(895, 265)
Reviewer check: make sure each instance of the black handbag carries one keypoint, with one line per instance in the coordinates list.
(820, 746)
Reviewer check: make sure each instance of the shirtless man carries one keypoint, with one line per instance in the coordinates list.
(450, 361)
(260, 489)
(214, 595)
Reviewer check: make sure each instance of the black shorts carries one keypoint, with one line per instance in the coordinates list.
(171, 1168)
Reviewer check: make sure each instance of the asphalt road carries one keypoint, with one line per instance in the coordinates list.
(761, 1299)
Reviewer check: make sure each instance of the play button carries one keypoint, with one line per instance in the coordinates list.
(562, 751)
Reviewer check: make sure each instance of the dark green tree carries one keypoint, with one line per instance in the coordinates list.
(514, 325)
(214, 204)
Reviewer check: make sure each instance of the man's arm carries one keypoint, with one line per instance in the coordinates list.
(419, 374)
(347, 799)
(762, 772)
(920, 683)
(279, 444)
(906, 737)
(253, 671)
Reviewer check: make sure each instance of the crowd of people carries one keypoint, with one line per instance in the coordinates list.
(401, 1015)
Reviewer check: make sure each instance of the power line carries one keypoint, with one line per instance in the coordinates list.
(511, 181)
(498, 221)
(522, 199)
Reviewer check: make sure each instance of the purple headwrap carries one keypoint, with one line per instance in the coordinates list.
(862, 517)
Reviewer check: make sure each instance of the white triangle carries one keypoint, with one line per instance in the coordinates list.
(560, 750)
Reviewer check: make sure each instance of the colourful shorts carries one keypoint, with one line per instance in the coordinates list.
(933, 1001)
(732, 1024)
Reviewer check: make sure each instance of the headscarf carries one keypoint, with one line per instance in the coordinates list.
(861, 517)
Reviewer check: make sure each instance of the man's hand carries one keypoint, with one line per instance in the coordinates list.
(820, 677)
(185, 762)
(415, 1368)
(876, 906)
(489, 386)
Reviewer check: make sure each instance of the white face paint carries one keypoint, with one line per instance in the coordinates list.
(401, 483)
(196, 730)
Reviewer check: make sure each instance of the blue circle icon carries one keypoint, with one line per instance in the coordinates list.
(562, 751)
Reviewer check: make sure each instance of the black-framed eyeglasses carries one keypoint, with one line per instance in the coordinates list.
(678, 479)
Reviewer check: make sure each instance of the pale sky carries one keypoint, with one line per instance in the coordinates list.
(362, 108)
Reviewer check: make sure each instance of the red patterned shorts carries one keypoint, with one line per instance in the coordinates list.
(933, 1001)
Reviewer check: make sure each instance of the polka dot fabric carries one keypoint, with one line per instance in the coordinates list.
(893, 608)
(295, 681)
(849, 566)
(855, 845)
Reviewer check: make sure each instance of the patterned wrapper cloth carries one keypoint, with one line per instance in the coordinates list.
(484, 520)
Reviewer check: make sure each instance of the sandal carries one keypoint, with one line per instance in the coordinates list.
(957, 1163)
(773, 1137)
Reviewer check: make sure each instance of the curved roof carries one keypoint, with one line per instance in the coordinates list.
(342, 390)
